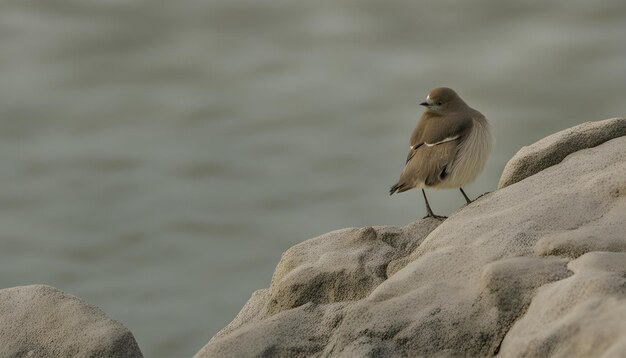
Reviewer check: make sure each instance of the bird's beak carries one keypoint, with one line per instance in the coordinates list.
(425, 104)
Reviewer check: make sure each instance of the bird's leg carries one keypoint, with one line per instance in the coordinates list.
(429, 210)
(464, 195)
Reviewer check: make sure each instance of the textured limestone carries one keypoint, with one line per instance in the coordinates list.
(533, 269)
(552, 149)
(343, 265)
(582, 315)
(41, 321)
(333, 269)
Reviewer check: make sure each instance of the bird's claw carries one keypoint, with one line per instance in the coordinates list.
(436, 217)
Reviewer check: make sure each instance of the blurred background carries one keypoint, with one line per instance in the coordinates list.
(158, 156)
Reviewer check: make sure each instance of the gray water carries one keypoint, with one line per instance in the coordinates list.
(158, 156)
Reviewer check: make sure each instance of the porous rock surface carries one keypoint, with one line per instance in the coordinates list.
(42, 321)
(552, 149)
(535, 269)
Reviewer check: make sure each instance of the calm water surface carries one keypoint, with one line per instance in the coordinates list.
(158, 156)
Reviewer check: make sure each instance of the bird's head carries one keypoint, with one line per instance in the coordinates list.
(442, 100)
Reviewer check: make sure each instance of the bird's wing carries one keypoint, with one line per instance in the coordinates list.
(416, 135)
(428, 164)
(434, 131)
(412, 151)
(445, 129)
(414, 141)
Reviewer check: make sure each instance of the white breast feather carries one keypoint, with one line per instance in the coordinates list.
(471, 157)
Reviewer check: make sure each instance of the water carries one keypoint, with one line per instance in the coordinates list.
(158, 156)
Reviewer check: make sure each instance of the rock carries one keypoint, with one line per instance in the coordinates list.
(340, 266)
(583, 315)
(343, 265)
(552, 149)
(42, 321)
(533, 269)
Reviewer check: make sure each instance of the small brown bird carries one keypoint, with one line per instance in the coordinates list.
(448, 147)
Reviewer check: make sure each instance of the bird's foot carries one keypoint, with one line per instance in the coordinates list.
(436, 217)
(471, 201)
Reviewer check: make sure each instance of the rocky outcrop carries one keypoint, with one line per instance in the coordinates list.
(41, 321)
(534, 269)
(553, 149)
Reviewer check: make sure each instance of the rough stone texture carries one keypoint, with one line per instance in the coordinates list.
(340, 266)
(583, 315)
(343, 265)
(42, 321)
(552, 149)
(531, 270)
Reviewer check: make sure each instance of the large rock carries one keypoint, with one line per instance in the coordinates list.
(581, 316)
(41, 321)
(338, 267)
(552, 149)
(534, 269)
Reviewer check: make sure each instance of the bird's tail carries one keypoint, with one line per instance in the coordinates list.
(397, 188)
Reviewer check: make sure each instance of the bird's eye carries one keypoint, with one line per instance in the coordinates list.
(439, 103)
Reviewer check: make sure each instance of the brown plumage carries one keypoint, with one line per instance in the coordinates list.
(448, 147)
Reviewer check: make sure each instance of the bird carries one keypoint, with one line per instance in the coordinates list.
(447, 149)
